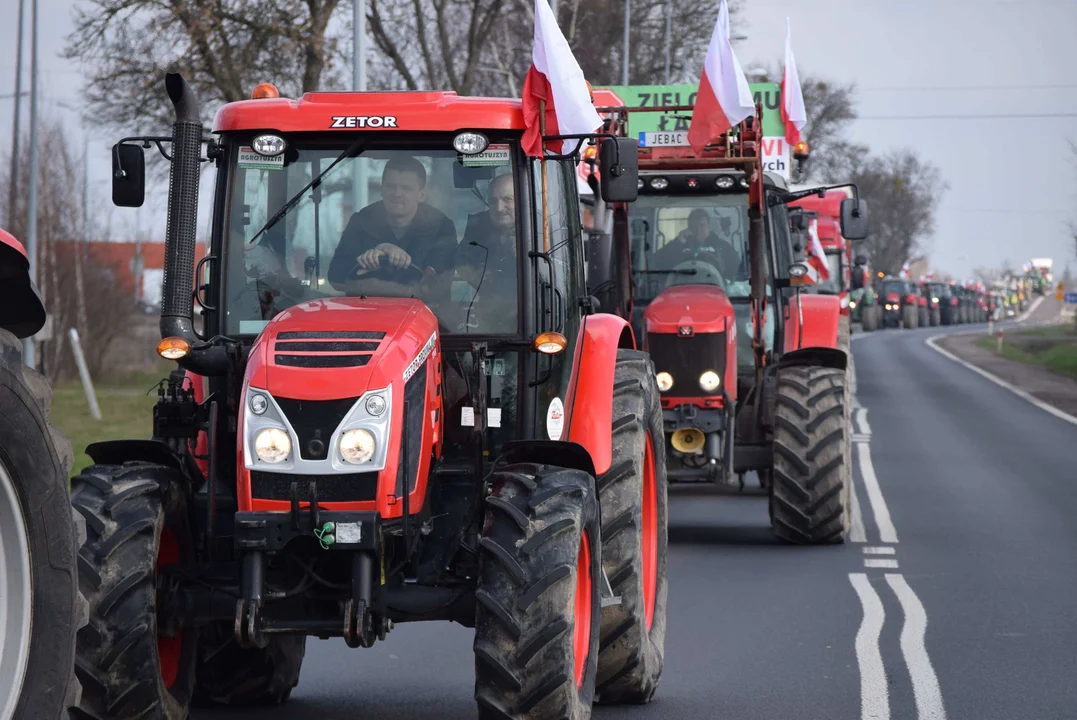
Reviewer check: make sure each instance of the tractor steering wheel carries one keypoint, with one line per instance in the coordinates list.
(705, 273)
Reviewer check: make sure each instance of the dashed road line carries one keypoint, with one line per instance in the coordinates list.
(879, 551)
(880, 563)
(874, 693)
(857, 533)
(925, 684)
(887, 531)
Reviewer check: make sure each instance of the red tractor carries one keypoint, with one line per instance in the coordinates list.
(838, 250)
(402, 406)
(40, 606)
(750, 369)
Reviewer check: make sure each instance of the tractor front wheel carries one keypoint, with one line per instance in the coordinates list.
(633, 497)
(137, 531)
(909, 317)
(40, 606)
(868, 319)
(538, 607)
(228, 674)
(810, 497)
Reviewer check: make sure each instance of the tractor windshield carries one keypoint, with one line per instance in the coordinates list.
(897, 287)
(423, 222)
(689, 239)
(833, 284)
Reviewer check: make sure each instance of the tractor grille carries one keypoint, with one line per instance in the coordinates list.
(314, 422)
(414, 412)
(352, 487)
(326, 348)
(686, 358)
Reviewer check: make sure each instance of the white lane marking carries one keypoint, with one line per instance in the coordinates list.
(880, 563)
(879, 551)
(857, 534)
(862, 421)
(925, 684)
(887, 532)
(874, 693)
(1031, 309)
(1002, 383)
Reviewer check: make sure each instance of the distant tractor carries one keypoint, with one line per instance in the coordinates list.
(40, 606)
(750, 368)
(901, 303)
(403, 407)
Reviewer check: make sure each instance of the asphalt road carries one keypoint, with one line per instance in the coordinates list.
(957, 599)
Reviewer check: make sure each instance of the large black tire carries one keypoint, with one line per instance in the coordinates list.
(633, 645)
(923, 318)
(869, 321)
(810, 498)
(909, 317)
(227, 674)
(844, 331)
(526, 617)
(35, 462)
(136, 517)
(936, 317)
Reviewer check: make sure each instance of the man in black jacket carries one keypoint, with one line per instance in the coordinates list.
(486, 259)
(401, 229)
(699, 242)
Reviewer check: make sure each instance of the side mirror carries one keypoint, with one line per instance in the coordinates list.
(854, 219)
(618, 169)
(128, 175)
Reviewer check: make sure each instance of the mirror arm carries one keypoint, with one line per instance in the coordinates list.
(213, 149)
(774, 200)
(581, 139)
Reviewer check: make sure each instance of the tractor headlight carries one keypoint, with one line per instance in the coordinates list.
(357, 446)
(258, 403)
(709, 381)
(852, 303)
(664, 380)
(272, 445)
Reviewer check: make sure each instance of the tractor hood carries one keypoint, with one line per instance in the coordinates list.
(703, 308)
(341, 347)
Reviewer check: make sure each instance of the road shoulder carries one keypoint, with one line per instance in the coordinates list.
(1055, 390)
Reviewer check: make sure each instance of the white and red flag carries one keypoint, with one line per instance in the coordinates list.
(724, 98)
(904, 271)
(794, 116)
(556, 78)
(816, 254)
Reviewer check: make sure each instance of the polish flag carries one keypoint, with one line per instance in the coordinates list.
(904, 272)
(555, 77)
(724, 98)
(794, 116)
(817, 258)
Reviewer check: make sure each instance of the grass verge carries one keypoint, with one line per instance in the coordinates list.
(126, 411)
(1053, 347)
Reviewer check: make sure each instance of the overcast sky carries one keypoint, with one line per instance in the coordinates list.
(956, 70)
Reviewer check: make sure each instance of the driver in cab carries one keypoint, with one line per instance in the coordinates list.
(698, 242)
(399, 238)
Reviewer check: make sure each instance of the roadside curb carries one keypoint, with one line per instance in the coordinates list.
(931, 343)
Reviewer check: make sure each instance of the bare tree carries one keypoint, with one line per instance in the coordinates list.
(224, 47)
(903, 192)
(108, 307)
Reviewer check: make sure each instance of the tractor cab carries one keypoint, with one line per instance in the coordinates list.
(399, 407)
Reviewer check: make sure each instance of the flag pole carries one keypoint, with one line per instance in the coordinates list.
(545, 188)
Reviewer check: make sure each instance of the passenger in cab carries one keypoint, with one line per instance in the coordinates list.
(401, 231)
(486, 258)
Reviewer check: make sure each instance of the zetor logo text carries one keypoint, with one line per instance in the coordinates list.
(364, 121)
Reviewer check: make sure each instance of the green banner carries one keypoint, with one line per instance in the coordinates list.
(664, 95)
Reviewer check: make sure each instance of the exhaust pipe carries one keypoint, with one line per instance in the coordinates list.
(177, 292)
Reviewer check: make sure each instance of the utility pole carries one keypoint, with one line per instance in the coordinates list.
(82, 238)
(624, 63)
(13, 179)
(669, 46)
(359, 53)
(31, 220)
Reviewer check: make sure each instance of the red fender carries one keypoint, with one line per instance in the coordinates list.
(21, 311)
(812, 321)
(590, 394)
(201, 444)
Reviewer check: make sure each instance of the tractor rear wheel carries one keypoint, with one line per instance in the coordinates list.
(868, 320)
(227, 674)
(936, 317)
(538, 607)
(137, 523)
(923, 318)
(633, 498)
(41, 609)
(810, 498)
(844, 331)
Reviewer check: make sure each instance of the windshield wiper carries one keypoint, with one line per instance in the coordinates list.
(665, 272)
(317, 180)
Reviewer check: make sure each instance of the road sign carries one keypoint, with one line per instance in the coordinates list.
(1071, 298)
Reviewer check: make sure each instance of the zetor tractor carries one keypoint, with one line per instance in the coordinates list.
(901, 303)
(40, 605)
(361, 436)
(751, 374)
